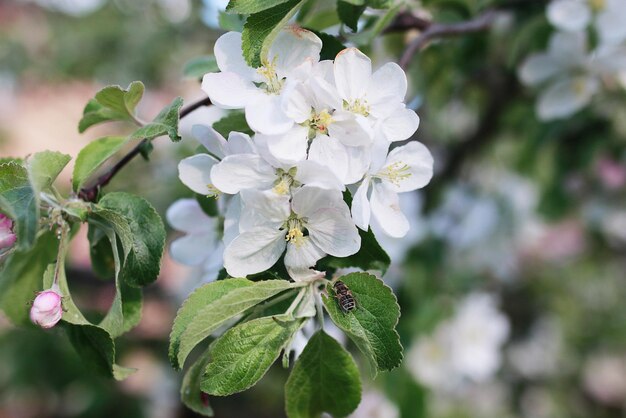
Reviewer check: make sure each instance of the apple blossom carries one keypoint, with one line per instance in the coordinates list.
(406, 168)
(259, 90)
(314, 223)
(7, 236)
(575, 15)
(47, 308)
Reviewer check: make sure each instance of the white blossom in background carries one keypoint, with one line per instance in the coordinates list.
(570, 73)
(465, 348)
(604, 378)
(374, 404)
(540, 354)
(608, 17)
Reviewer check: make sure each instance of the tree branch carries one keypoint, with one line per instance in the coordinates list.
(90, 193)
(440, 30)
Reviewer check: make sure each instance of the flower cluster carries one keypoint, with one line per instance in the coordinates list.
(570, 72)
(321, 129)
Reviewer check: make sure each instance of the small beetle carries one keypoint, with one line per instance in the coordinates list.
(344, 296)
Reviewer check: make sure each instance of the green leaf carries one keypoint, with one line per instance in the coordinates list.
(371, 326)
(324, 379)
(165, 123)
(241, 356)
(370, 256)
(230, 22)
(199, 66)
(349, 14)
(19, 202)
(262, 28)
(112, 103)
(91, 157)
(210, 306)
(44, 167)
(190, 392)
(22, 276)
(379, 4)
(248, 7)
(146, 232)
(234, 121)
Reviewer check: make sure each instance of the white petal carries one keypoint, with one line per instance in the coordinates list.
(301, 257)
(361, 206)
(353, 70)
(538, 68)
(566, 97)
(296, 102)
(231, 219)
(195, 173)
(569, 15)
(309, 200)
(229, 56)
(193, 250)
(334, 232)
(263, 208)
(358, 163)
(239, 143)
(325, 92)
(186, 215)
(288, 148)
(266, 115)
(569, 48)
(350, 129)
(388, 82)
(400, 125)
(229, 90)
(332, 154)
(386, 211)
(292, 46)
(212, 140)
(610, 22)
(254, 251)
(314, 174)
(419, 167)
(242, 171)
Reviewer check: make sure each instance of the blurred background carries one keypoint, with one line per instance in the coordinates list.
(511, 281)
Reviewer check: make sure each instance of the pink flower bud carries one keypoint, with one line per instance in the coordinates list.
(47, 308)
(7, 237)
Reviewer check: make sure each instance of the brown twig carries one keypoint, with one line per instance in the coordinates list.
(445, 30)
(90, 193)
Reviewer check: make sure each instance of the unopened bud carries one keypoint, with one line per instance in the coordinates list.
(7, 237)
(47, 308)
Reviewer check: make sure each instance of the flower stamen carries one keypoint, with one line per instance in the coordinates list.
(359, 106)
(295, 235)
(395, 173)
(272, 84)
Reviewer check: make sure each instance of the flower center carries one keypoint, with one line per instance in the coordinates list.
(580, 87)
(597, 5)
(295, 233)
(285, 180)
(359, 106)
(318, 123)
(213, 192)
(272, 84)
(395, 173)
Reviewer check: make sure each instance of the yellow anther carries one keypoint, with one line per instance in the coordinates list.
(268, 71)
(213, 192)
(359, 106)
(597, 5)
(282, 187)
(395, 173)
(284, 182)
(295, 236)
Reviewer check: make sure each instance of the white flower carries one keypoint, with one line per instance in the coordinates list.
(316, 222)
(575, 15)
(467, 347)
(323, 131)
(406, 168)
(378, 96)
(202, 238)
(259, 90)
(195, 171)
(251, 170)
(572, 74)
